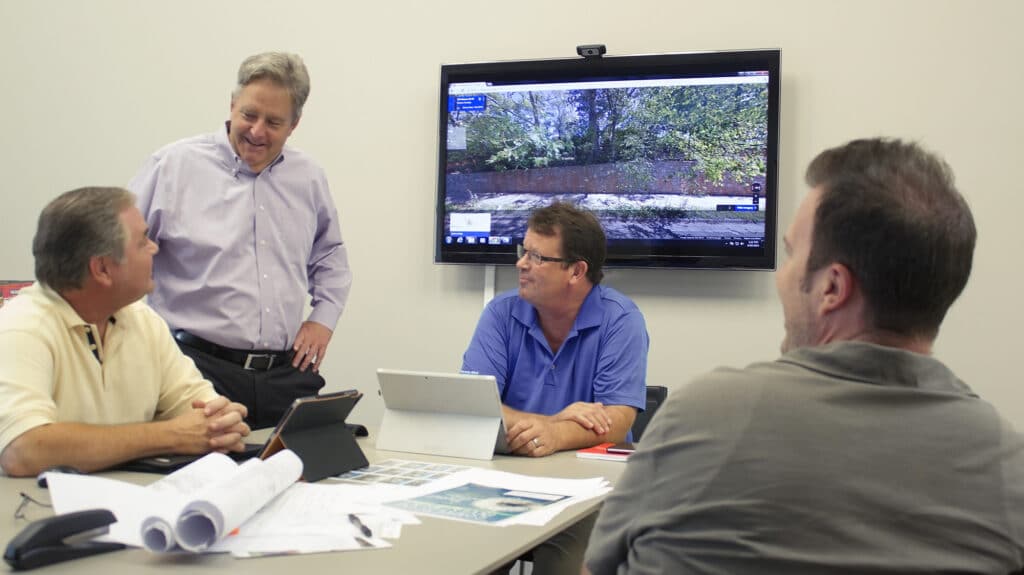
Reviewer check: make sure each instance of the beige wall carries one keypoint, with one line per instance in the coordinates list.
(89, 88)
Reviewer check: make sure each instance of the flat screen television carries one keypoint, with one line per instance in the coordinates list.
(677, 155)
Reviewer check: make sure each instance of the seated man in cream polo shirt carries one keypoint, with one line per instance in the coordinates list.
(89, 375)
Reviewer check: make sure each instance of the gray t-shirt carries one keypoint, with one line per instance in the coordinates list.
(845, 458)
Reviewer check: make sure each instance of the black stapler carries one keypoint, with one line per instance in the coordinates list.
(60, 538)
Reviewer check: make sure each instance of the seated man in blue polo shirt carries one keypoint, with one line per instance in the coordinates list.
(569, 354)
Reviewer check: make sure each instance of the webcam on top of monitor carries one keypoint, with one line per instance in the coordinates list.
(591, 50)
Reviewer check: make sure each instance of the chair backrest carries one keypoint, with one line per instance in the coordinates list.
(656, 395)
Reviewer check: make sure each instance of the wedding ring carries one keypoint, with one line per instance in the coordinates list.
(535, 442)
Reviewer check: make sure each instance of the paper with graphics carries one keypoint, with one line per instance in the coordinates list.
(496, 497)
(478, 503)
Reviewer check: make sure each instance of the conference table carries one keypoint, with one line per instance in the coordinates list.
(434, 546)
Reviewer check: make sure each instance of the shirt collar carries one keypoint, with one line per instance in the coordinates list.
(869, 363)
(232, 162)
(592, 311)
(590, 315)
(65, 312)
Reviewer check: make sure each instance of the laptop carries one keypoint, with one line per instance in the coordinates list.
(302, 413)
(450, 414)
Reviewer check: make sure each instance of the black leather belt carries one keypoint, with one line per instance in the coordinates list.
(252, 359)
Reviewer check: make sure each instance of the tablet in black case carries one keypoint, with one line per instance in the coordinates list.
(313, 427)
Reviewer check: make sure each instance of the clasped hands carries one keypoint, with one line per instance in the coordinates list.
(537, 435)
(217, 425)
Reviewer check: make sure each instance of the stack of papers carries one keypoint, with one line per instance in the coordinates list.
(258, 509)
(216, 505)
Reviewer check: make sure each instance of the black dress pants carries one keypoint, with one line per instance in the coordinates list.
(266, 394)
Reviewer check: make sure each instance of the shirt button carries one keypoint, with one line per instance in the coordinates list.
(264, 276)
(263, 242)
(268, 310)
(261, 207)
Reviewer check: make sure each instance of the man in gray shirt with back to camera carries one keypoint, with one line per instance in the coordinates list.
(856, 451)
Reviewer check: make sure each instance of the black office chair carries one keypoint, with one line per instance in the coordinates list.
(656, 395)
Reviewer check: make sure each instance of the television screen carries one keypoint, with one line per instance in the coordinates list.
(676, 154)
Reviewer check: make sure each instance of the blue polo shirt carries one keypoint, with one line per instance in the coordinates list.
(604, 358)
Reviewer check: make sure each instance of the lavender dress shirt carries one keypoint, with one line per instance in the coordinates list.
(239, 250)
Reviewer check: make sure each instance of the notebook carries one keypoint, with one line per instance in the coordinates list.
(451, 414)
(335, 406)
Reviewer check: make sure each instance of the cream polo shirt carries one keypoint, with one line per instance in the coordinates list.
(48, 372)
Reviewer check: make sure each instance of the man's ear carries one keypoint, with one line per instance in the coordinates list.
(100, 270)
(579, 270)
(838, 289)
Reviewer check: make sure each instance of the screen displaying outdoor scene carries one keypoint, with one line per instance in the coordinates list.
(674, 159)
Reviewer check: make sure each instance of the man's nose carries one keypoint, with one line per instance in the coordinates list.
(258, 128)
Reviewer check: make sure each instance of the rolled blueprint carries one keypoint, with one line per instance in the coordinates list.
(157, 535)
(174, 491)
(217, 510)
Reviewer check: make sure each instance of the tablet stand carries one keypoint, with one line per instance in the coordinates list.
(315, 430)
(449, 434)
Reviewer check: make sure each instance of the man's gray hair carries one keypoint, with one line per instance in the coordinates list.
(75, 227)
(284, 69)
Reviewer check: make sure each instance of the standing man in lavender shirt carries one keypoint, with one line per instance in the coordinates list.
(246, 227)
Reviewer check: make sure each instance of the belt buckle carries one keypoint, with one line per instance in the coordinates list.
(248, 361)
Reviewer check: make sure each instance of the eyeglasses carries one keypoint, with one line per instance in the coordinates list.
(19, 513)
(535, 258)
